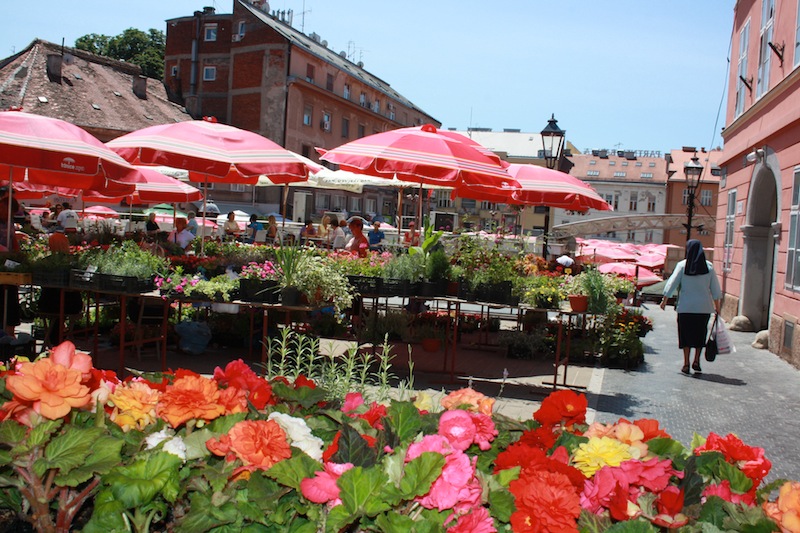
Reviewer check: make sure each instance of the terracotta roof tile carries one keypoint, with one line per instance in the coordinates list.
(93, 92)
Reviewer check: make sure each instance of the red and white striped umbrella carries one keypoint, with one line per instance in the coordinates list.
(540, 186)
(642, 276)
(422, 155)
(211, 152)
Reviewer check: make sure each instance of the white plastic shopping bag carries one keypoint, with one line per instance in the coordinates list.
(724, 343)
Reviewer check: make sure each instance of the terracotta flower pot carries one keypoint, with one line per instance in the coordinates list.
(579, 303)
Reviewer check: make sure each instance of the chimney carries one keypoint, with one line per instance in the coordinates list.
(140, 87)
(54, 62)
(208, 10)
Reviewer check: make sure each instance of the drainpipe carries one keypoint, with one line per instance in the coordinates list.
(198, 17)
(285, 192)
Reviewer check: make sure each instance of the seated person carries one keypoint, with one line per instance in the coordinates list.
(338, 239)
(376, 236)
(231, 227)
(411, 238)
(181, 234)
(151, 227)
(307, 232)
(192, 223)
(68, 219)
(252, 229)
(358, 244)
(272, 229)
(324, 231)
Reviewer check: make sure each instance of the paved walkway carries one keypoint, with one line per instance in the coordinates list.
(752, 393)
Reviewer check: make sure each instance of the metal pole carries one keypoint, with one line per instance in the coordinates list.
(689, 214)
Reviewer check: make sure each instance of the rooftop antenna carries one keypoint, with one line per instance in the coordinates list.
(303, 19)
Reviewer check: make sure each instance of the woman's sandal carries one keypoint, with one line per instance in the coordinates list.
(696, 367)
(685, 370)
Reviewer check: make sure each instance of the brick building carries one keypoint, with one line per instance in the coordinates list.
(253, 70)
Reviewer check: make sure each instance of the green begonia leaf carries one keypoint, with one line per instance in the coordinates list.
(105, 455)
(68, 450)
(420, 473)
(404, 420)
(140, 482)
(12, 432)
(361, 489)
(353, 448)
(292, 471)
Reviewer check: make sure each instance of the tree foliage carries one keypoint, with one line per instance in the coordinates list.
(145, 49)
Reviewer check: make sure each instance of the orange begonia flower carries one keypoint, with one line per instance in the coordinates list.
(258, 443)
(470, 399)
(191, 397)
(51, 388)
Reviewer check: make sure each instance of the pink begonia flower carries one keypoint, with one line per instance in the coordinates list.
(65, 355)
(459, 429)
(322, 487)
(352, 401)
(654, 474)
(478, 521)
(723, 490)
(446, 491)
(429, 443)
(598, 429)
(485, 432)
(599, 490)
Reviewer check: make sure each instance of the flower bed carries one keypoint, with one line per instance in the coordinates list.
(184, 452)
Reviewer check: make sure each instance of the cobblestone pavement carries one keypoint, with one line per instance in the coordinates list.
(752, 393)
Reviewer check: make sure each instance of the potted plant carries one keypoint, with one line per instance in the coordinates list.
(402, 273)
(289, 260)
(524, 344)
(258, 282)
(322, 283)
(437, 273)
(217, 289)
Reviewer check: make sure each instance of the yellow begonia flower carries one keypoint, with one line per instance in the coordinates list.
(599, 452)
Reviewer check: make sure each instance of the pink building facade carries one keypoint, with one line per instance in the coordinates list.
(758, 216)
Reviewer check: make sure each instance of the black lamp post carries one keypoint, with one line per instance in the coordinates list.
(693, 170)
(552, 142)
(552, 147)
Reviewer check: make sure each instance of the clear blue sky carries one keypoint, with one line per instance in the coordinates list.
(617, 73)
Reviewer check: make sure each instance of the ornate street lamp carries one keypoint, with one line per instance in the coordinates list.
(692, 170)
(552, 142)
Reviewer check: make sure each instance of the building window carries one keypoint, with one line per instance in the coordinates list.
(631, 236)
(310, 71)
(241, 29)
(371, 205)
(174, 70)
(730, 220)
(391, 111)
(322, 202)
(651, 164)
(619, 174)
(488, 205)
(633, 202)
(362, 100)
(346, 91)
(706, 197)
(326, 121)
(592, 172)
(376, 106)
(612, 163)
(793, 253)
(210, 32)
(329, 82)
(362, 130)
(647, 174)
(741, 88)
(764, 50)
(648, 236)
(345, 127)
(468, 203)
(685, 198)
(612, 200)
(651, 205)
(338, 202)
(638, 163)
(443, 199)
(209, 73)
(797, 37)
(355, 204)
(238, 187)
(541, 209)
(308, 115)
(592, 162)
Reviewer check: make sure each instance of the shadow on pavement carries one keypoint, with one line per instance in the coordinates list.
(622, 405)
(716, 378)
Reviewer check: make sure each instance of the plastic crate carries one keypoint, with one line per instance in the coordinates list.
(86, 280)
(366, 285)
(56, 278)
(125, 284)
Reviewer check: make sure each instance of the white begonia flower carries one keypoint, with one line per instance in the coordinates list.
(299, 434)
(176, 446)
(154, 439)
